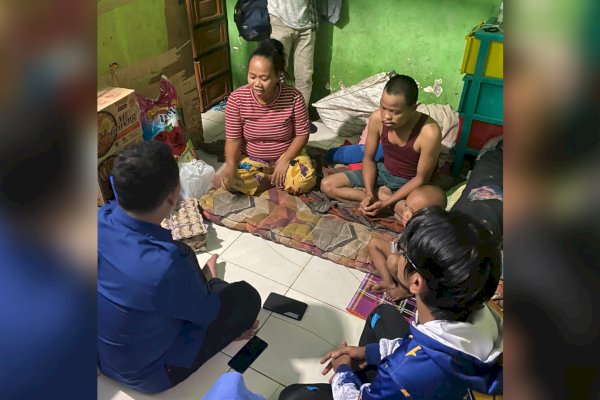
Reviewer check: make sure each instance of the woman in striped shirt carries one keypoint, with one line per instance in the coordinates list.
(266, 129)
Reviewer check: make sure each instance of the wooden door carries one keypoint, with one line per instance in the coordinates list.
(210, 46)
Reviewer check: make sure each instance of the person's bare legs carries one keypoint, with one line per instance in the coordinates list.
(337, 186)
(210, 268)
(384, 193)
(380, 251)
(421, 197)
(396, 267)
(396, 294)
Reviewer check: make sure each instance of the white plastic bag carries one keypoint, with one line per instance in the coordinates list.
(347, 111)
(196, 179)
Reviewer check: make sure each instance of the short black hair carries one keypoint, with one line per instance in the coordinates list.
(273, 50)
(403, 84)
(144, 174)
(457, 257)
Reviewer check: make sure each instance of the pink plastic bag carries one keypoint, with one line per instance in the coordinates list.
(162, 119)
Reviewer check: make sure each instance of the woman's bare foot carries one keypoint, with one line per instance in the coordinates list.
(210, 268)
(380, 287)
(396, 294)
(249, 333)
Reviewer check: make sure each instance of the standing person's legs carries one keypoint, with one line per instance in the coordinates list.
(285, 34)
(240, 304)
(303, 62)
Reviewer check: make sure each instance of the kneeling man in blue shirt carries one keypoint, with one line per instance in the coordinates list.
(160, 316)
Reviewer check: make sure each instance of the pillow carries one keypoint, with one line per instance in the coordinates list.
(282, 218)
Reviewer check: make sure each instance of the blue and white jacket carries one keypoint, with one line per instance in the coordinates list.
(436, 360)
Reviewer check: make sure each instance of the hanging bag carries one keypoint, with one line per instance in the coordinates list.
(252, 19)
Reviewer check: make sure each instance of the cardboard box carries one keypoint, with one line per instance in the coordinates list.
(118, 126)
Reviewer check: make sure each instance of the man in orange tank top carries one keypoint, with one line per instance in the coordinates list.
(411, 146)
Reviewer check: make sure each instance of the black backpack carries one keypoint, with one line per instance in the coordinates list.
(252, 19)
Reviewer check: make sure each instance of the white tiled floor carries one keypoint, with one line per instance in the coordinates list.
(295, 347)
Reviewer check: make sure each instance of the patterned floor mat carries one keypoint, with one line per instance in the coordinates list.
(365, 301)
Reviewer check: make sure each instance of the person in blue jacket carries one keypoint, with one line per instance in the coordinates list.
(160, 317)
(454, 344)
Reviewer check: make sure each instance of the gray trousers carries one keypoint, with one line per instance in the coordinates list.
(301, 43)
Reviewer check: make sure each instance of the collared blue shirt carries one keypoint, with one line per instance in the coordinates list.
(154, 304)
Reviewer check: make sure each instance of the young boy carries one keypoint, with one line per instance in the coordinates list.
(160, 317)
(453, 267)
(411, 143)
(380, 250)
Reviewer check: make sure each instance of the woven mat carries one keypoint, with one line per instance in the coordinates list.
(365, 301)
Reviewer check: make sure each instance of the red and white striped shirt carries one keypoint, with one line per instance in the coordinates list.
(266, 130)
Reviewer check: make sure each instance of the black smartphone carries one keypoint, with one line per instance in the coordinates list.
(247, 354)
(285, 306)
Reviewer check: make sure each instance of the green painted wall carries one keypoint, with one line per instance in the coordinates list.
(147, 39)
(131, 32)
(422, 38)
(239, 49)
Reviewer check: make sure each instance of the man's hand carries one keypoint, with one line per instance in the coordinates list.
(375, 208)
(341, 360)
(343, 356)
(367, 201)
(281, 167)
(335, 363)
(354, 352)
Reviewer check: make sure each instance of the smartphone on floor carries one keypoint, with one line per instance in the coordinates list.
(285, 306)
(247, 354)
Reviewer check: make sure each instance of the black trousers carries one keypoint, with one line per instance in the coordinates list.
(384, 322)
(487, 171)
(240, 304)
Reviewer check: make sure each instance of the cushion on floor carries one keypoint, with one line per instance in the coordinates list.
(277, 216)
